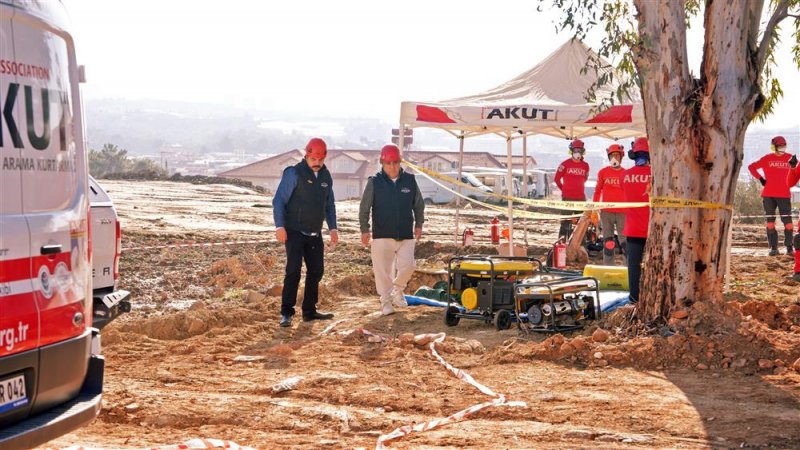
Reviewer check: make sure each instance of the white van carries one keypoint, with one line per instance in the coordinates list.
(433, 193)
(51, 373)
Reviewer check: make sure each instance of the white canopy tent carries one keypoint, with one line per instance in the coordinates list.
(548, 99)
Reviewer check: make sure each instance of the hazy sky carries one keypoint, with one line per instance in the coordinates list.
(322, 57)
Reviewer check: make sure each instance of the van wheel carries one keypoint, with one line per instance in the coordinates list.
(428, 201)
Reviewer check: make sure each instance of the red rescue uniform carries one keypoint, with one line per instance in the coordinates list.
(793, 177)
(609, 187)
(636, 186)
(776, 170)
(571, 178)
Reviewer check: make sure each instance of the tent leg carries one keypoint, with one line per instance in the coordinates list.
(460, 165)
(525, 177)
(510, 190)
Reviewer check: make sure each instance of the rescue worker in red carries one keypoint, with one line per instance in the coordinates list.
(571, 177)
(775, 194)
(793, 179)
(609, 189)
(303, 200)
(636, 186)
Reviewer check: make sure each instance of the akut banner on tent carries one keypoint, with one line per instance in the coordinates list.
(514, 115)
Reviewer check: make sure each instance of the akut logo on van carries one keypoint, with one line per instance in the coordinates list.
(39, 140)
(518, 112)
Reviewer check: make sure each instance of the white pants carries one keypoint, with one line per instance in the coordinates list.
(393, 264)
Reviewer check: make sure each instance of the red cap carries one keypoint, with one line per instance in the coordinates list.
(316, 148)
(577, 144)
(615, 148)
(779, 141)
(641, 145)
(390, 153)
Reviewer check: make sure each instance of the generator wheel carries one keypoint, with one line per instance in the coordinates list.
(502, 319)
(450, 317)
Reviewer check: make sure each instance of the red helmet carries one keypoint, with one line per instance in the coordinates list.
(577, 144)
(641, 145)
(779, 141)
(390, 153)
(615, 148)
(316, 148)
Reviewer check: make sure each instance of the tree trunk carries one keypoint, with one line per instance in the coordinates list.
(696, 131)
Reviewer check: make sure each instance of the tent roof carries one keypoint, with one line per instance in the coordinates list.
(549, 99)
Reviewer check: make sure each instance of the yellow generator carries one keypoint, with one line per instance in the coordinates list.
(556, 303)
(611, 278)
(482, 287)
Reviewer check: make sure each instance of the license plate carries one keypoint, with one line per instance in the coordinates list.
(12, 393)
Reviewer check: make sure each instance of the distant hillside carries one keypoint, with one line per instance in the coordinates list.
(144, 127)
(147, 126)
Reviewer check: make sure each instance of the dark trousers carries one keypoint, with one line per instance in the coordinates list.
(300, 247)
(784, 207)
(635, 250)
(566, 226)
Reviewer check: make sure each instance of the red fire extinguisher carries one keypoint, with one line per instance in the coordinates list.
(468, 237)
(495, 231)
(560, 254)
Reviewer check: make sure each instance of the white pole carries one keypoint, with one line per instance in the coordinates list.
(460, 165)
(525, 176)
(509, 189)
(401, 140)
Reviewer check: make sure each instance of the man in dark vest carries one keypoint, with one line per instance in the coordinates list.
(394, 199)
(304, 199)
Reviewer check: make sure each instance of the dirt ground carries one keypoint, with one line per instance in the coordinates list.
(201, 352)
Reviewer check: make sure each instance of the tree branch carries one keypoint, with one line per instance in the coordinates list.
(781, 12)
(755, 8)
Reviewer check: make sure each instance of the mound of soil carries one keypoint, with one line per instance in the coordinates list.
(196, 320)
(709, 338)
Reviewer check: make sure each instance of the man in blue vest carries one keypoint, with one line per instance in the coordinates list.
(304, 199)
(397, 208)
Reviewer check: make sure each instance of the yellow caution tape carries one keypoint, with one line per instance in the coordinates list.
(655, 202)
(497, 208)
(556, 204)
(672, 202)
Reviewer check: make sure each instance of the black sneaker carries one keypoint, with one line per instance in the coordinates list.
(773, 252)
(790, 250)
(286, 321)
(796, 277)
(317, 316)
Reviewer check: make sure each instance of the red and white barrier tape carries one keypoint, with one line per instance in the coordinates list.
(405, 430)
(196, 244)
(193, 444)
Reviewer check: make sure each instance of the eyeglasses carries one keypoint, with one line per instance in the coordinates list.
(391, 163)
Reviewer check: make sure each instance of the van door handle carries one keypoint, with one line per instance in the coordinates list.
(51, 249)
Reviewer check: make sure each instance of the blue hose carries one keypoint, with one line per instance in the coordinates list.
(413, 300)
